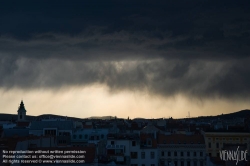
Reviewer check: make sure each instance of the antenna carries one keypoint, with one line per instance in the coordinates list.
(188, 115)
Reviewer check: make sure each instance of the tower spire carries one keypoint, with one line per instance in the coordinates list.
(21, 112)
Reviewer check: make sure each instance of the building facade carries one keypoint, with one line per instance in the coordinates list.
(181, 150)
(216, 140)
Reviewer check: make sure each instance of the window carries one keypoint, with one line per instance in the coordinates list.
(133, 155)
(194, 153)
(175, 153)
(182, 163)
(217, 145)
(175, 163)
(149, 142)
(143, 143)
(188, 163)
(133, 143)
(152, 165)
(201, 163)
(209, 145)
(201, 154)
(143, 155)
(152, 155)
(162, 153)
(74, 136)
(86, 136)
(181, 153)
(50, 132)
(195, 163)
(188, 153)
(210, 154)
(112, 142)
(80, 136)
(102, 136)
(119, 151)
(169, 153)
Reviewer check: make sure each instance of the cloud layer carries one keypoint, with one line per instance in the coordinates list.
(199, 49)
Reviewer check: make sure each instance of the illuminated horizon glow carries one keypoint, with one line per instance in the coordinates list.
(97, 100)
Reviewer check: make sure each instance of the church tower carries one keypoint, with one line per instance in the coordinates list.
(21, 113)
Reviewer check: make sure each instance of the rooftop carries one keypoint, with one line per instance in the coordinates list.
(181, 139)
(60, 125)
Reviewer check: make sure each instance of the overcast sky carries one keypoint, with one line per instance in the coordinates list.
(125, 58)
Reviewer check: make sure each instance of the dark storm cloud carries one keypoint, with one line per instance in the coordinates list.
(166, 47)
(203, 79)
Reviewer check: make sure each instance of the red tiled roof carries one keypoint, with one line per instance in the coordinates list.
(145, 137)
(87, 126)
(180, 139)
(23, 124)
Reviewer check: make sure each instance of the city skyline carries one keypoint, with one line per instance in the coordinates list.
(20, 114)
(135, 58)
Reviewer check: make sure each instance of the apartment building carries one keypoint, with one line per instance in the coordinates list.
(132, 149)
(216, 140)
(181, 150)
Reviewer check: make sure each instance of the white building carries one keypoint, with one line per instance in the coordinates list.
(181, 150)
(84, 136)
(53, 128)
(133, 149)
(62, 130)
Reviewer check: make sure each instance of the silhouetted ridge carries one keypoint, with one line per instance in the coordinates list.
(240, 114)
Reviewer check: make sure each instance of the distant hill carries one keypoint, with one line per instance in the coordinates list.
(139, 118)
(239, 114)
(102, 117)
(47, 116)
(9, 117)
(13, 117)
